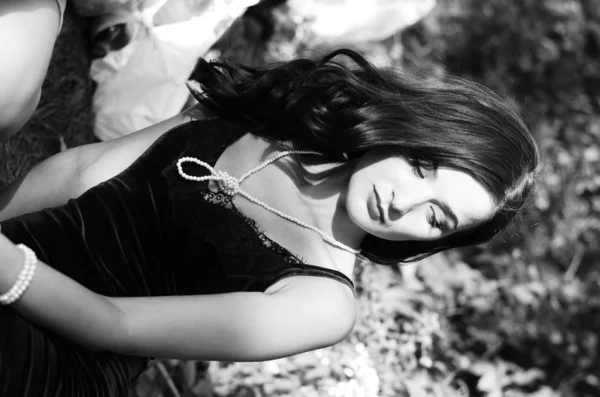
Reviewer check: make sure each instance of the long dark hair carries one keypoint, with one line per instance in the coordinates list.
(343, 110)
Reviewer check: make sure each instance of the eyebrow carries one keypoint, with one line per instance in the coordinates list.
(448, 212)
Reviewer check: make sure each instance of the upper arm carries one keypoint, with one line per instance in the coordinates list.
(104, 160)
(243, 326)
(68, 174)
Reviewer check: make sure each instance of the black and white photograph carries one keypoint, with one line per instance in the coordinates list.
(299, 198)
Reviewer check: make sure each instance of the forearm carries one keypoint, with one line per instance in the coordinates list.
(14, 114)
(62, 305)
(29, 29)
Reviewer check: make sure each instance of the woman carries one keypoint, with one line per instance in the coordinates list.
(193, 239)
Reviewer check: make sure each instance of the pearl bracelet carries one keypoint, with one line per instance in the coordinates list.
(24, 278)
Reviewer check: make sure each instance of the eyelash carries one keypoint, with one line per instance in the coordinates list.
(432, 219)
(418, 169)
(416, 165)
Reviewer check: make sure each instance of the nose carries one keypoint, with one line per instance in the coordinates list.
(404, 201)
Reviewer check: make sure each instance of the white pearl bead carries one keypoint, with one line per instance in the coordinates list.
(23, 279)
(230, 186)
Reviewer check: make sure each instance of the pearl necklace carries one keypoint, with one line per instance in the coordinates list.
(231, 186)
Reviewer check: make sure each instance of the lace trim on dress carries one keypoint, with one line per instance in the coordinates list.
(225, 201)
(223, 139)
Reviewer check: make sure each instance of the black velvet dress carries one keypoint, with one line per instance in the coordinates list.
(145, 232)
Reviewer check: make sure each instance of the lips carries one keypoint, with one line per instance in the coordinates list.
(374, 207)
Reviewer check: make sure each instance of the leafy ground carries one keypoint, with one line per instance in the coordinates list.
(518, 317)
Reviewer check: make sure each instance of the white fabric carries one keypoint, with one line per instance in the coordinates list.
(144, 82)
(352, 21)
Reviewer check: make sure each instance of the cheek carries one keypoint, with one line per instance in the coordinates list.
(355, 203)
(413, 226)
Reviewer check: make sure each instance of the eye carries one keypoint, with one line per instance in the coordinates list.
(416, 165)
(432, 219)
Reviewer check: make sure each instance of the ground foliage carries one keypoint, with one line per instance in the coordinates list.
(540, 296)
(519, 317)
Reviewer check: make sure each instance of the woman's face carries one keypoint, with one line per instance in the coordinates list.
(394, 198)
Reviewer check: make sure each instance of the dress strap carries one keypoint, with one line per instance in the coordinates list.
(314, 271)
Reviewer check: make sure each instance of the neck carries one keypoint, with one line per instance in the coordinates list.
(327, 198)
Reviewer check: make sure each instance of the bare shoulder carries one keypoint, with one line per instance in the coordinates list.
(330, 301)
